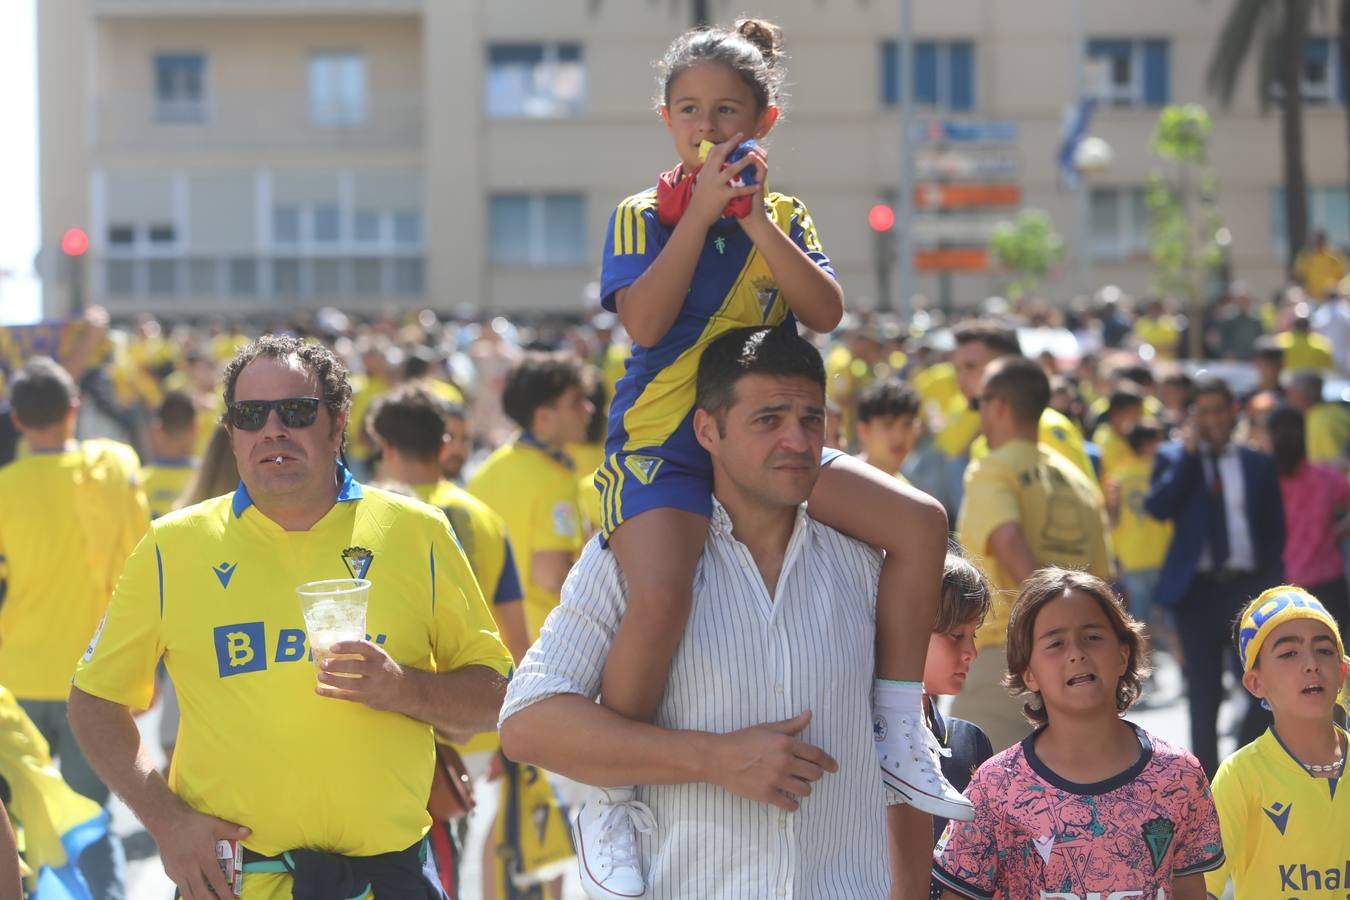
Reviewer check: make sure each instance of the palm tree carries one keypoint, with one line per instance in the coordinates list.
(1278, 30)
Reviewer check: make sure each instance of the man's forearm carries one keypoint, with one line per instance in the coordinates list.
(910, 834)
(108, 736)
(586, 742)
(464, 702)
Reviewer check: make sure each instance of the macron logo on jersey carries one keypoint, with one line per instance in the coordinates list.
(1279, 814)
(224, 572)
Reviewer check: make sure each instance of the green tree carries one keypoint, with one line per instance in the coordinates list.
(1276, 32)
(1027, 248)
(1183, 212)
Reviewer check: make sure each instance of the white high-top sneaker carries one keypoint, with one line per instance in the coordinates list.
(908, 752)
(605, 829)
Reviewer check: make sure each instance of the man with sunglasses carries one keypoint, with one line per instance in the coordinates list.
(325, 785)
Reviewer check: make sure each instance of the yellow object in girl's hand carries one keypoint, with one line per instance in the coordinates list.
(704, 148)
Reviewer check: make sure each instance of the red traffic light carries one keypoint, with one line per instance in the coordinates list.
(74, 242)
(881, 217)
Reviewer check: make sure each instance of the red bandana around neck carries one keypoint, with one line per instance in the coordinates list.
(675, 188)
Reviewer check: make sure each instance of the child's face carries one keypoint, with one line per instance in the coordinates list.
(950, 654)
(889, 438)
(1076, 659)
(710, 102)
(1298, 671)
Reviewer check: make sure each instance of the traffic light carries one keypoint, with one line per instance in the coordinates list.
(881, 218)
(75, 242)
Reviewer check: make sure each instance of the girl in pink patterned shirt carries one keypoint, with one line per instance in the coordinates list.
(1088, 805)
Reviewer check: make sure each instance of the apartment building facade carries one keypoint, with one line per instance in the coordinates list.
(244, 157)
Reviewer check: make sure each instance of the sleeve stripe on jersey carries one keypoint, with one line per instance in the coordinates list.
(956, 885)
(159, 564)
(1208, 865)
(630, 229)
(431, 557)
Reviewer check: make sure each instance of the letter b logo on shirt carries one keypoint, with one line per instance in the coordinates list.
(240, 648)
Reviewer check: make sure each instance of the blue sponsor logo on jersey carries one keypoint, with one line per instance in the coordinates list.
(224, 572)
(241, 648)
(1279, 814)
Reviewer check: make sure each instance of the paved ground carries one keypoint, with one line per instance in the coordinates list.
(1164, 714)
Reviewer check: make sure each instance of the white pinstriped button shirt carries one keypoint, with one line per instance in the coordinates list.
(747, 659)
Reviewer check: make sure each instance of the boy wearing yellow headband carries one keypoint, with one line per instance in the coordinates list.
(1284, 821)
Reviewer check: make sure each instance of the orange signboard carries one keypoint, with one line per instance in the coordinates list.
(951, 259)
(965, 195)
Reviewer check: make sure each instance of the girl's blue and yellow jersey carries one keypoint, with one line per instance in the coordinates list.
(651, 417)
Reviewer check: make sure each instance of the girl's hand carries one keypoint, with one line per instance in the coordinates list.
(758, 217)
(713, 189)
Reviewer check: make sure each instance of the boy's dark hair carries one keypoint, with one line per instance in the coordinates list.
(538, 380)
(1212, 384)
(1137, 373)
(1145, 432)
(42, 393)
(753, 351)
(966, 593)
(598, 426)
(1000, 339)
(335, 389)
(891, 397)
(1288, 438)
(752, 48)
(176, 413)
(412, 420)
(1020, 383)
(1122, 398)
(1048, 584)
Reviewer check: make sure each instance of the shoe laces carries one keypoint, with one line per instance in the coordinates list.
(924, 746)
(620, 824)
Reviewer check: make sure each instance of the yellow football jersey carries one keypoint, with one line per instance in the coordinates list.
(1059, 510)
(68, 521)
(1140, 541)
(164, 481)
(535, 490)
(1059, 434)
(211, 590)
(1284, 831)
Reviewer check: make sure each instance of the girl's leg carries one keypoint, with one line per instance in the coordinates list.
(658, 551)
(911, 527)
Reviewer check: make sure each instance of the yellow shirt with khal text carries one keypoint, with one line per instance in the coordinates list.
(1060, 512)
(211, 591)
(68, 521)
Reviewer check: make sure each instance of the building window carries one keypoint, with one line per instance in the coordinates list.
(326, 224)
(366, 226)
(161, 234)
(408, 277)
(121, 277)
(243, 277)
(537, 229)
(943, 71)
(121, 236)
(286, 225)
(337, 88)
(1118, 223)
(1324, 81)
(407, 227)
(535, 81)
(286, 277)
(1130, 72)
(1328, 210)
(162, 277)
(180, 88)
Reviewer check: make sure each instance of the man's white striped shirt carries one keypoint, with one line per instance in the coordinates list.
(747, 659)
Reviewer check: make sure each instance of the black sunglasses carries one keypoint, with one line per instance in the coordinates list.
(294, 412)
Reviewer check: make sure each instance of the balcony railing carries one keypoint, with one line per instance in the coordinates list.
(255, 122)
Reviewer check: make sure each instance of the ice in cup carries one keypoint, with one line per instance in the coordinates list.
(334, 611)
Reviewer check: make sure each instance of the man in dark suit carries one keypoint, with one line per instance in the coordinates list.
(1224, 501)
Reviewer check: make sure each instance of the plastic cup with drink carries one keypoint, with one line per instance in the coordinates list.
(334, 611)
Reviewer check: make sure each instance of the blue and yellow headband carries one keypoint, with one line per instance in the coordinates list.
(1271, 610)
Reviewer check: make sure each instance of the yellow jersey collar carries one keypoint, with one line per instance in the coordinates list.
(348, 489)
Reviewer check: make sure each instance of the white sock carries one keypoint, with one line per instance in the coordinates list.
(904, 697)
